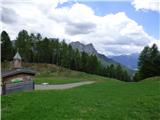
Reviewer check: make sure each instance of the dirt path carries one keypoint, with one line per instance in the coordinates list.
(62, 86)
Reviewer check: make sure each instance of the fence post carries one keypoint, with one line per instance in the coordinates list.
(33, 86)
(3, 89)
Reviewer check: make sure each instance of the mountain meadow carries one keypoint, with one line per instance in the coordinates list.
(106, 99)
(116, 94)
(80, 59)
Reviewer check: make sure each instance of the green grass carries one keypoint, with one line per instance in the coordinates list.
(107, 99)
(104, 100)
(65, 77)
(58, 80)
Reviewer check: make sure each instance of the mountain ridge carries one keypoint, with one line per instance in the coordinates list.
(105, 61)
(128, 60)
(88, 48)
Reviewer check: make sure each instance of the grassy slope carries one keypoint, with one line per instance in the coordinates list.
(52, 74)
(65, 76)
(108, 63)
(104, 100)
(62, 78)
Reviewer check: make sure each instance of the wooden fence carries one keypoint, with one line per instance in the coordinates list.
(21, 86)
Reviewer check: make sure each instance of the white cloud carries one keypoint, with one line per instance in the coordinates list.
(112, 34)
(153, 5)
(31, 15)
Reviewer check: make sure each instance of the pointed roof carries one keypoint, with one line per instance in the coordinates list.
(17, 56)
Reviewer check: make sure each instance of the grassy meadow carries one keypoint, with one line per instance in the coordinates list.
(50, 73)
(67, 76)
(107, 99)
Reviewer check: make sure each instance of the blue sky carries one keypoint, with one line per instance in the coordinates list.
(148, 19)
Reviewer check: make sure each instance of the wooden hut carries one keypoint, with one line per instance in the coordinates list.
(18, 78)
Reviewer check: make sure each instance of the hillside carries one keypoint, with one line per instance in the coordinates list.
(105, 61)
(152, 79)
(89, 48)
(107, 99)
(52, 74)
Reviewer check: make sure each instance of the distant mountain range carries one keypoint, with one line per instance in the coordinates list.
(89, 48)
(128, 60)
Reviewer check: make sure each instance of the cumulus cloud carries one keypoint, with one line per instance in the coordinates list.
(112, 34)
(79, 28)
(77, 19)
(31, 15)
(7, 15)
(153, 5)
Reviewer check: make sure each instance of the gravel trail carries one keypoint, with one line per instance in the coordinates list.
(61, 86)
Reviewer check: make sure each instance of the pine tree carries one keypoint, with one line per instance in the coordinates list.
(111, 71)
(24, 45)
(136, 77)
(65, 58)
(126, 76)
(144, 63)
(148, 63)
(154, 60)
(119, 72)
(77, 60)
(7, 49)
(93, 64)
(83, 65)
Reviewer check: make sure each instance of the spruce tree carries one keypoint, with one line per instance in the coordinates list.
(7, 49)
(149, 63)
(24, 45)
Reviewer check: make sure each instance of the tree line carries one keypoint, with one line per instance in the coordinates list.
(35, 49)
(149, 63)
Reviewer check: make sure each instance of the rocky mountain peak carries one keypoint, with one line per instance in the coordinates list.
(88, 48)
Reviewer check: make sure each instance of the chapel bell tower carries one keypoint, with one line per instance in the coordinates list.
(17, 61)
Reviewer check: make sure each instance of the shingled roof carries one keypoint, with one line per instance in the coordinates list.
(17, 71)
